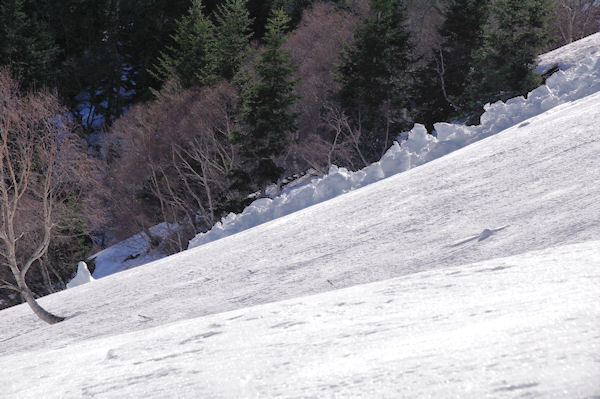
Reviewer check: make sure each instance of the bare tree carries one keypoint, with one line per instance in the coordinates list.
(174, 160)
(345, 132)
(440, 68)
(315, 47)
(576, 19)
(424, 19)
(41, 166)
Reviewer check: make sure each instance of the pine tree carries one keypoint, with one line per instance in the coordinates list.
(293, 8)
(443, 81)
(26, 44)
(514, 36)
(374, 77)
(232, 37)
(192, 58)
(267, 107)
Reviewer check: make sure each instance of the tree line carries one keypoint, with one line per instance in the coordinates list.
(183, 111)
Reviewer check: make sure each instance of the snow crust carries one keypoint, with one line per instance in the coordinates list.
(419, 148)
(83, 276)
(512, 327)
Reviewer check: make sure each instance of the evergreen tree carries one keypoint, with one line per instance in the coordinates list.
(443, 81)
(106, 48)
(192, 59)
(375, 78)
(267, 106)
(293, 8)
(26, 44)
(232, 37)
(514, 36)
(147, 28)
(260, 10)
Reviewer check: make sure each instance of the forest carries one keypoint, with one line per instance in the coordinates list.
(118, 115)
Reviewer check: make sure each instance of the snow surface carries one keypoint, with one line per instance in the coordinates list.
(83, 276)
(512, 327)
(132, 252)
(450, 312)
(571, 54)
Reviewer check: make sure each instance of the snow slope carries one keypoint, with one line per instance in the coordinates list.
(571, 54)
(513, 327)
(450, 315)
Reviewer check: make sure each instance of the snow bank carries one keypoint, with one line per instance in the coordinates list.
(417, 149)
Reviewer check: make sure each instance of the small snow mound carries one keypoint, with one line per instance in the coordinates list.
(83, 276)
(484, 234)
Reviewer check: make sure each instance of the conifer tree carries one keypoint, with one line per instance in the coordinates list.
(514, 35)
(294, 8)
(267, 105)
(26, 44)
(374, 77)
(233, 35)
(192, 58)
(444, 79)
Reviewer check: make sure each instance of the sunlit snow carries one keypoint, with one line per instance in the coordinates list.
(571, 54)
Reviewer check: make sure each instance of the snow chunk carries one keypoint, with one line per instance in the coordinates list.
(83, 276)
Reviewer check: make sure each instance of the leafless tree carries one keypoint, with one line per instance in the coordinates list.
(42, 169)
(576, 19)
(440, 68)
(424, 19)
(345, 131)
(315, 47)
(174, 160)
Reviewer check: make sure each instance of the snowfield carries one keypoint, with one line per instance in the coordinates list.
(476, 274)
(512, 327)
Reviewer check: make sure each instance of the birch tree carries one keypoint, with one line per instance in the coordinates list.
(41, 170)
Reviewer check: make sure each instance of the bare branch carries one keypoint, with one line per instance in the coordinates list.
(441, 70)
(10, 287)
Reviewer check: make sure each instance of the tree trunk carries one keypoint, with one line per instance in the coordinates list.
(40, 312)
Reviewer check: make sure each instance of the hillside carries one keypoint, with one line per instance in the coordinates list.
(475, 274)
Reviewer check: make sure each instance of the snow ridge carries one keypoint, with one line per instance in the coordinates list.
(419, 147)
